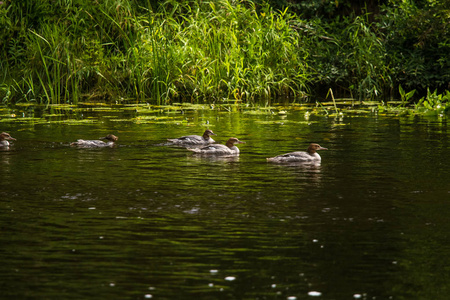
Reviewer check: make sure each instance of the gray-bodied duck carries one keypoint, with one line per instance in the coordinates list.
(190, 140)
(310, 156)
(110, 142)
(218, 149)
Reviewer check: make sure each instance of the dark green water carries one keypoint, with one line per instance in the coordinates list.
(143, 221)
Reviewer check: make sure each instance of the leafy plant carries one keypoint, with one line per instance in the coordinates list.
(405, 97)
(434, 103)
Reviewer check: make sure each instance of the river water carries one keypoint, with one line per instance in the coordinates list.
(148, 221)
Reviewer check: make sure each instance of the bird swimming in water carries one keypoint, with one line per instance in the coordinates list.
(190, 140)
(310, 156)
(111, 139)
(218, 149)
(4, 138)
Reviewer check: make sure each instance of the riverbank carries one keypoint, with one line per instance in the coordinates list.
(214, 52)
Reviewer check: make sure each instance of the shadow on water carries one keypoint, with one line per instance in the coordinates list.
(144, 220)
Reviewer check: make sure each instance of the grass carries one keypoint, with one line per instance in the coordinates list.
(217, 52)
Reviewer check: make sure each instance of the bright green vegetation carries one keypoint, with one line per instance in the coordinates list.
(432, 104)
(66, 51)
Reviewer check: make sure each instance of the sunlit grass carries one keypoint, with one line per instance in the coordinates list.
(217, 52)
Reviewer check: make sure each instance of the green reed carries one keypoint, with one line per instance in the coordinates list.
(184, 51)
(213, 51)
(235, 51)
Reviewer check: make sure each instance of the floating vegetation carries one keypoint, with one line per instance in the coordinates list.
(59, 106)
(148, 111)
(141, 118)
(282, 122)
(433, 105)
(75, 122)
(93, 104)
(111, 117)
(257, 112)
(25, 104)
(53, 115)
(358, 111)
(161, 121)
(22, 120)
(195, 106)
(152, 120)
(121, 120)
(102, 108)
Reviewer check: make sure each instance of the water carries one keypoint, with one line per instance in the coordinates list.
(148, 221)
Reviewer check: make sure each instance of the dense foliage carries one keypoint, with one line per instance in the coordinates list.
(60, 51)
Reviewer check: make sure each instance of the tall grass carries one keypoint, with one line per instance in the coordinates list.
(213, 51)
(349, 57)
(66, 51)
(255, 54)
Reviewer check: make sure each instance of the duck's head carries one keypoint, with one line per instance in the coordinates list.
(315, 147)
(110, 137)
(6, 136)
(232, 141)
(208, 132)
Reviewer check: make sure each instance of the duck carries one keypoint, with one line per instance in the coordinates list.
(111, 139)
(4, 138)
(189, 140)
(218, 149)
(310, 156)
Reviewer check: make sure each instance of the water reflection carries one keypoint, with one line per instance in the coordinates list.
(309, 174)
(93, 155)
(299, 165)
(212, 158)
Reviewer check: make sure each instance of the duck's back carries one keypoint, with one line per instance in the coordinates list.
(192, 140)
(91, 143)
(218, 149)
(298, 156)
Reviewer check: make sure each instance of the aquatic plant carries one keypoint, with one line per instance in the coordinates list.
(405, 96)
(434, 103)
